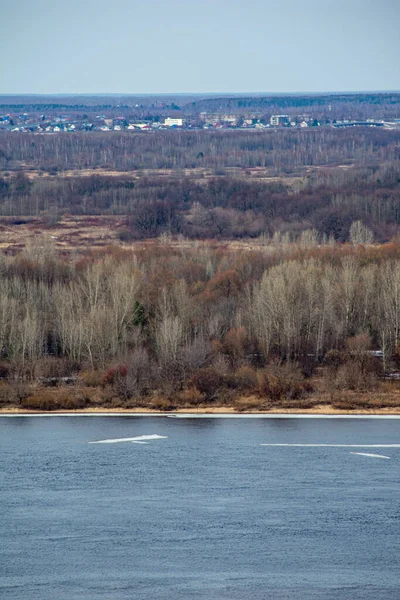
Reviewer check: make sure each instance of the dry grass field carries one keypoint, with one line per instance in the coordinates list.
(195, 174)
(94, 232)
(70, 233)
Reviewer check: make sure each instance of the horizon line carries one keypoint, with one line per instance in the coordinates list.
(237, 94)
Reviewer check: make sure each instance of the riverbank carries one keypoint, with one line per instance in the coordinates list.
(81, 399)
(315, 410)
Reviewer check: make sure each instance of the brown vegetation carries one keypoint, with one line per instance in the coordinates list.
(111, 297)
(303, 186)
(169, 327)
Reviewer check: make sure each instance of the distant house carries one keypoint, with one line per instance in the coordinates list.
(169, 122)
(138, 125)
(229, 119)
(277, 120)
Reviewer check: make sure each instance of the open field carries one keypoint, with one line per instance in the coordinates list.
(82, 233)
(196, 174)
(69, 233)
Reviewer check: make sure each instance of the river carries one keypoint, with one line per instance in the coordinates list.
(191, 507)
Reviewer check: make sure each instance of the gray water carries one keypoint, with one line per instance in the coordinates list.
(205, 512)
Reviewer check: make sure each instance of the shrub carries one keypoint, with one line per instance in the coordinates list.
(246, 378)
(355, 376)
(48, 400)
(282, 381)
(333, 359)
(248, 403)
(159, 403)
(18, 390)
(114, 374)
(133, 378)
(51, 367)
(353, 401)
(353, 368)
(4, 370)
(124, 235)
(208, 381)
(190, 397)
(234, 342)
(6, 393)
(40, 402)
(92, 378)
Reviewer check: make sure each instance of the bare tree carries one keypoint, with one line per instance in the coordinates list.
(360, 234)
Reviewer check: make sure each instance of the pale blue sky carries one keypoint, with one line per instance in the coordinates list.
(171, 46)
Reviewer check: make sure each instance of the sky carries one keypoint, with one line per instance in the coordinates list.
(198, 46)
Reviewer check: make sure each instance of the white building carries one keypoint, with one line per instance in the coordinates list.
(169, 122)
(229, 119)
(276, 120)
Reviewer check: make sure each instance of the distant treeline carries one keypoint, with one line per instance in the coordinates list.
(340, 106)
(282, 150)
(334, 105)
(95, 102)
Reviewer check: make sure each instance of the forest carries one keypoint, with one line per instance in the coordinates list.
(164, 327)
(304, 312)
(338, 106)
(281, 150)
(210, 184)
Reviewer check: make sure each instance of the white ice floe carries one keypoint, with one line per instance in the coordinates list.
(371, 455)
(140, 439)
(272, 416)
(335, 445)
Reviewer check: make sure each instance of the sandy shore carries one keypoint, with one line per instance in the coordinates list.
(322, 409)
